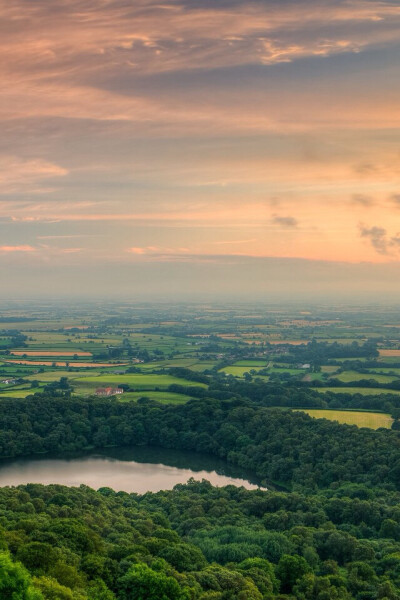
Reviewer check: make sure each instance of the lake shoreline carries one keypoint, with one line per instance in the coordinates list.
(131, 467)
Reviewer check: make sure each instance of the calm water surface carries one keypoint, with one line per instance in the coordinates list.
(131, 469)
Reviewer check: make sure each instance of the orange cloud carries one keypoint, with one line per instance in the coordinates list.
(110, 117)
(65, 72)
(137, 250)
(147, 36)
(18, 175)
(22, 248)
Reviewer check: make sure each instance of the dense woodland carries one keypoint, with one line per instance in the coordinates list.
(290, 448)
(335, 532)
(293, 394)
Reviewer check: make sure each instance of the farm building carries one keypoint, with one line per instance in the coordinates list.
(109, 391)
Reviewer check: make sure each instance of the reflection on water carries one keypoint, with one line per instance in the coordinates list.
(133, 469)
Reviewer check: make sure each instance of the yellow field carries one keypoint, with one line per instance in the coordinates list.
(357, 390)
(49, 353)
(291, 342)
(352, 417)
(389, 352)
(47, 363)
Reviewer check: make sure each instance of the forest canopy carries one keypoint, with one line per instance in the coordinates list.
(335, 532)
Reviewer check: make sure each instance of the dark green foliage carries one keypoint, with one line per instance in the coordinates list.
(289, 448)
(336, 535)
(15, 582)
(290, 569)
(191, 543)
(143, 583)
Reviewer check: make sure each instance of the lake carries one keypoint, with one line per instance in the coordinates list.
(133, 469)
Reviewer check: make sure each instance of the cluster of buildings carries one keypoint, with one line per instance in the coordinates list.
(109, 391)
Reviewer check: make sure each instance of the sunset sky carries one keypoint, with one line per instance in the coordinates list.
(189, 146)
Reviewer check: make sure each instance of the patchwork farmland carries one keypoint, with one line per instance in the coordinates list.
(171, 354)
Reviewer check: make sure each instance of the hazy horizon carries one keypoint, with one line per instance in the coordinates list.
(225, 278)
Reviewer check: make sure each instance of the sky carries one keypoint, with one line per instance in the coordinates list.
(240, 148)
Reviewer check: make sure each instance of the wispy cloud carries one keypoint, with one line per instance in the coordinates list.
(65, 237)
(170, 131)
(233, 242)
(395, 198)
(149, 36)
(137, 250)
(86, 64)
(289, 222)
(21, 175)
(363, 200)
(21, 248)
(156, 251)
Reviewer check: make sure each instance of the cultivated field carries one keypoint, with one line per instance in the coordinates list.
(136, 383)
(62, 363)
(372, 420)
(138, 346)
(347, 376)
(357, 390)
(161, 397)
(390, 353)
(237, 371)
(49, 353)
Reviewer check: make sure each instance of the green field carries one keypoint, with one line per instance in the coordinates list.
(313, 377)
(372, 420)
(19, 393)
(139, 382)
(188, 363)
(347, 376)
(341, 360)
(386, 370)
(287, 370)
(357, 390)
(161, 397)
(55, 375)
(329, 369)
(202, 366)
(389, 359)
(251, 364)
(239, 371)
